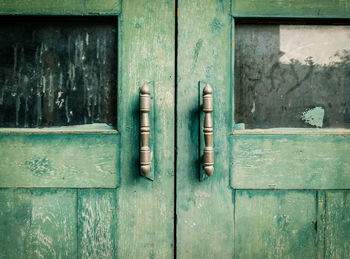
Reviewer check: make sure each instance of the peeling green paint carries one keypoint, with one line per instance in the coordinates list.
(314, 116)
(39, 166)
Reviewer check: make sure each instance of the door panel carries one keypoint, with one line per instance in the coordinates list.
(294, 160)
(337, 223)
(49, 160)
(97, 223)
(275, 224)
(38, 223)
(44, 223)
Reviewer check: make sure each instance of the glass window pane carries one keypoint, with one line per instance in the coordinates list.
(292, 75)
(57, 72)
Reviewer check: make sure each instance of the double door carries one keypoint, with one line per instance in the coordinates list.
(71, 186)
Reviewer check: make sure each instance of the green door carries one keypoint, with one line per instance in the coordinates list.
(70, 181)
(70, 184)
(279, 71)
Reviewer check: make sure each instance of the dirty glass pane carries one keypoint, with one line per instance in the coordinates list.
(57, 72)
(292, 76)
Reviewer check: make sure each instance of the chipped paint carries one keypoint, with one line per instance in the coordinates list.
(314, 116)
(39, 166)
(59, 160)
(197, 49)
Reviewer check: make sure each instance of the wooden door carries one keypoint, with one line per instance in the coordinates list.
(279, 73)
(76, 191)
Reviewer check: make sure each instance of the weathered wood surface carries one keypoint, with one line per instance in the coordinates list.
(145, 208)
(291, 8)
(204, 209)
(97, 209)
(290, 162)
(275, 224)
(38, 223)
(95, 128)
(59, 160)
(60, 7)
(336, 224)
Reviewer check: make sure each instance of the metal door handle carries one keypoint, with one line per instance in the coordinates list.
(145, 130)
(208, 155)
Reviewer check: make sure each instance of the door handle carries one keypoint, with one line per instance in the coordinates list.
(208, 154)
(145, 130)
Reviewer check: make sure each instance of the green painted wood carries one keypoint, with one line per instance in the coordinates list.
(60, 7)
(275, 224)
(291, 8)
(59, 160)
(84, 159)
(97, 223)
(204, 209)
(145, 208)
(290, 224)
(337, 224)
(38, 223)
(320, 226)
(290, 162)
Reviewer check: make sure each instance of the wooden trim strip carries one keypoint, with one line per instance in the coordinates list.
(291, 8)
(291, 132)
(65, 7)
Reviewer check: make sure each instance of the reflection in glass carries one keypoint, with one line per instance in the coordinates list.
(292, 76)
(57, 72)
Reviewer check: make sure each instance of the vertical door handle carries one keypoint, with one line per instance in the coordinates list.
(208, 155)
(145, 130)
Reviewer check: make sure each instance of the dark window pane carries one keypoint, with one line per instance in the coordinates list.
(57, 72)
(292, 76)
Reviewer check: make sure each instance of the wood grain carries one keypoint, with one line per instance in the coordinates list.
(60, 7)
(275, 224)
(290, 162)
(291, 8)
(204, 209)
(337, 224)
(97, 209)
(38, 223)
(146, 208)
(59, 160)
